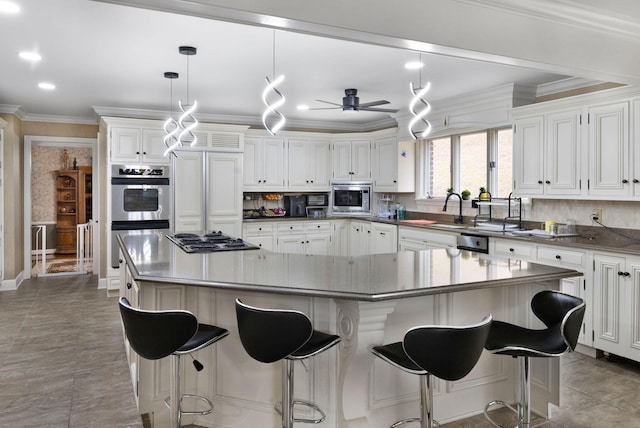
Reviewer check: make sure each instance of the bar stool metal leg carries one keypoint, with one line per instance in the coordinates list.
(523, 406)
(174, 401)
(426, 405)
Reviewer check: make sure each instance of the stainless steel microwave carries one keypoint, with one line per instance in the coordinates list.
(350, 198)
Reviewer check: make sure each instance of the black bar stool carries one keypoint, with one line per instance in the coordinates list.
(158, 334)
(270, 335)
(447, 352)
(562, 315)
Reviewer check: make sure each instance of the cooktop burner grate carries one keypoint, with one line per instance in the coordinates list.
(209, 242)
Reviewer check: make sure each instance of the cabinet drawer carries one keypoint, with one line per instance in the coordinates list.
(284, 228)
(317, 226)
(562, 257)
(429, 237)
(515, 249)
(258, 229)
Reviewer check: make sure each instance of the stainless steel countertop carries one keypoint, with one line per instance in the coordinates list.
(153, 257)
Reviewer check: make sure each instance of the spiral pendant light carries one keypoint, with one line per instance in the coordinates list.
(419, 126)
(171, 126)
(187, 121)
(273, 99)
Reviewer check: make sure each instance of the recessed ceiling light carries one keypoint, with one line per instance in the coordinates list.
(413, 65)
(30, 56)
(8, 7)
(46, 86)
(303, 107)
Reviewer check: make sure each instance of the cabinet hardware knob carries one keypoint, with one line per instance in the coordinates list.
(129, 285)
(311, 181)
(558, 257)
(511, 249)
(137, 153)
(625, 181)
(627, 274)
(144, 153)
(120, 261)
(547, 182)
(620, 273)
(635, 180)
(318, 226)
(259, 228)
(539, 181)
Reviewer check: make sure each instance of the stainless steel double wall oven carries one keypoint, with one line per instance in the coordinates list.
(140, 200)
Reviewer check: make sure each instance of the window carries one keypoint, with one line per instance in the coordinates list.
(466, 161)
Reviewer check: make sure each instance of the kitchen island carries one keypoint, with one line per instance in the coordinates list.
(367, 300)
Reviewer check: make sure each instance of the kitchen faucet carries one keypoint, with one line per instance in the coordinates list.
(456, 219)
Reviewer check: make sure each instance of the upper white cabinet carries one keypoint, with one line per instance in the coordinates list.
(609, 150)
(264, 161)
(137, 145)
(584, 147)
(351, 160)
(393, 165)
(309, 165)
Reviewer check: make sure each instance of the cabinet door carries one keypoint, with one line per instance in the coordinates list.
(318, 244)
(528, 158)
(361, 160)
(153, 146)
(274, 161)
(635, 148)
(125, 144)
(384, 238)
(341, 160)
(291, 244)
(319, 163)
(632, 308)
(252, 164)
(188, 185)
(563, 154)
(385, 165)
(608, 279)
(609, 150)
(298, 173)
(224, 195)
(576, 287)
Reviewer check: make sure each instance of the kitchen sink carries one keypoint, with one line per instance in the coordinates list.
(452, 226)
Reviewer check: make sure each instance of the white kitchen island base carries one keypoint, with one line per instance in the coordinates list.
(367, 300)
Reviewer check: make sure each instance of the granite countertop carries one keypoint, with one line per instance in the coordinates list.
(153, 257)
(626, 241)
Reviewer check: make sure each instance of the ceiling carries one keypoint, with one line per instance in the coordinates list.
(105, 57)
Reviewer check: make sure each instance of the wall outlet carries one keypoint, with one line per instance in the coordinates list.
(596, 214)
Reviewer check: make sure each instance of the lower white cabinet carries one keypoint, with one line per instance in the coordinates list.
(413, 239)
(261, 234)
(359, 237)
(616, 303)
(384, 238)
(304, 237)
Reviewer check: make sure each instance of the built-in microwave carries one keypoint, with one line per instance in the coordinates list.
(350, 198)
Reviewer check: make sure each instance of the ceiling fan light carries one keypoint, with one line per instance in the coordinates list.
(414, 65)
(8, 7)
(303, 107)
(47, 86)
(30, 56)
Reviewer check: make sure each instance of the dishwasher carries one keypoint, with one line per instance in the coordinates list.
(473, 242)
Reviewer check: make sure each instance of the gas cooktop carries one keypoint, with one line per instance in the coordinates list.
(209, 242)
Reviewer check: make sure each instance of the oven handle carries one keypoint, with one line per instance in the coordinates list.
(128, 181)
(140, 225)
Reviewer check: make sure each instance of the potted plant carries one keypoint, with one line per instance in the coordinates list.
(484, 195)
(465, 194)
(450, 190)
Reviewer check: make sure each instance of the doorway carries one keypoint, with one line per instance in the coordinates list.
(60, 201)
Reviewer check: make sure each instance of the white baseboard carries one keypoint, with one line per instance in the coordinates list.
(12, 284)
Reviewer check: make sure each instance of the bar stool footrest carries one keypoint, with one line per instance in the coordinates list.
(411, 420)
(508, 406)
(278, 408)
(167, 401)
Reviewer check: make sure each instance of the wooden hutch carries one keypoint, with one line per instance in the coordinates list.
(73, 206)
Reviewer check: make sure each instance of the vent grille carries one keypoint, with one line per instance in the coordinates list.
(225, 140)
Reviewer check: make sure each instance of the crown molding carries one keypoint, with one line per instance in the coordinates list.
(568, 12)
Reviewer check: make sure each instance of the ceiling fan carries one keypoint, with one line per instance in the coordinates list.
(351, 102)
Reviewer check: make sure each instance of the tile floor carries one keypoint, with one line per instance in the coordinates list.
(62, 364)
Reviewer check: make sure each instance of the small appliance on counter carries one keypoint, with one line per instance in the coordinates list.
(318, 200)
(296, 206)
(316, 212)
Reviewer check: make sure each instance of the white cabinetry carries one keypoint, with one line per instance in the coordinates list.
(351, 160)
(309, 165)
(359, 238)
(393, 165)
(617, 304)
(414, 239)
(304, 237)
(208, 192)
(264, 161)
(261, 234)
(547, 154)
(384, 238)
(609, 150)
(137, 145)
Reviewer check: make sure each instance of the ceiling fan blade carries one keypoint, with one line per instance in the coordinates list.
(383, 110)
(326, 108)
(374, 103)
(329, 102)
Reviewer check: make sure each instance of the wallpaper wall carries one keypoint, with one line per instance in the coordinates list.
(46, 161)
